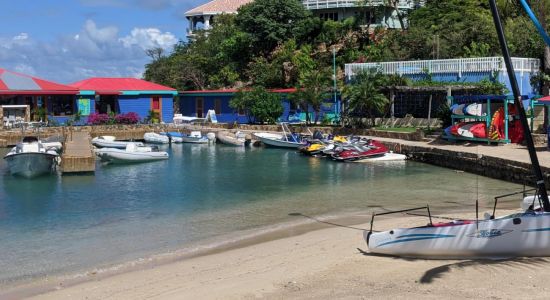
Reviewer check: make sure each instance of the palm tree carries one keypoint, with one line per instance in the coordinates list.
(364, 96)
(312, 91)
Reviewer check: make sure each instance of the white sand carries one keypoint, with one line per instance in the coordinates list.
(323, 264)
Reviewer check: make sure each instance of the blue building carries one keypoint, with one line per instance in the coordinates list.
(124, 95)
(457, 70)
(198, 103)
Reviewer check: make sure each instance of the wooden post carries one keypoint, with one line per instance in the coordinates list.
(430, 111)
(392, 104)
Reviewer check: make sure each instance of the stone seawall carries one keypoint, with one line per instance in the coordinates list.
(489, 166)
(136, 132)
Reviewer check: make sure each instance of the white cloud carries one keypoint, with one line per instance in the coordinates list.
(25, 69)
(21, 36)
(100, 35)
(94, 51)
(148, 38)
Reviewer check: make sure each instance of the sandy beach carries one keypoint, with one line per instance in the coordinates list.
(329, 263)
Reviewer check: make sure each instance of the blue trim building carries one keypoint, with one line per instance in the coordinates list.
(198, 103)
(124, 95)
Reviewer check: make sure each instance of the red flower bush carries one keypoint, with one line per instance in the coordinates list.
(127, 118)
(98, 119)
(105, 119)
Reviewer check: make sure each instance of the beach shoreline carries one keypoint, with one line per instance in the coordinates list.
(324, 261)
(213, 246)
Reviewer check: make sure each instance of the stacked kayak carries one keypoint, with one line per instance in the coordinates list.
(469, 129)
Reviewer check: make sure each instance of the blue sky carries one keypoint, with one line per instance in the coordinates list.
(70, 40)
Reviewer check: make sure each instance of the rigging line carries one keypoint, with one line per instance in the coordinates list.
(327, 222)
(519, 106)
(536, 22)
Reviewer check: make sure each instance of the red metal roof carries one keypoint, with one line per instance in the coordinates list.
(113, 86)
(230, 91)
(12, 83)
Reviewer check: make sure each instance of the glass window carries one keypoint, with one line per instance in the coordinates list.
(62, 105)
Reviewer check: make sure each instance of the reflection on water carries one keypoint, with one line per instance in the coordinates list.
(66, 223)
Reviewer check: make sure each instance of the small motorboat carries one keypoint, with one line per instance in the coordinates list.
(31, 158)
(107, 141)
(282, 141)
(155, 138)
(174, 137)
(133, 153)
(232, 139)
(287, 139)
(195, 137)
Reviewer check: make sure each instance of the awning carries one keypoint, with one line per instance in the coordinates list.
(545, 98)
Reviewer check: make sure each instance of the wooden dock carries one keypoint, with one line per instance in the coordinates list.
(78, 156)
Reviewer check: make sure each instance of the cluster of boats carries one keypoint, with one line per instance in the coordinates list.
(339, 148)
(114, 151)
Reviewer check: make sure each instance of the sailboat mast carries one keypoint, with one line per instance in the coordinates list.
(519, 107)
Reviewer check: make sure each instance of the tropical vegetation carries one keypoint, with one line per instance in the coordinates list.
(280, 44)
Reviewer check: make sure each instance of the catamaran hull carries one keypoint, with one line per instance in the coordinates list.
(31, 165)
(523, 234)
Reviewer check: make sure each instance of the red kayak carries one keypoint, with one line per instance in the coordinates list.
(356, 152)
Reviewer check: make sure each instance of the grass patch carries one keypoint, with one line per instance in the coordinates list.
(396, 129)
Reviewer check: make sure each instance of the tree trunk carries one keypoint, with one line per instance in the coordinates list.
(400, 14)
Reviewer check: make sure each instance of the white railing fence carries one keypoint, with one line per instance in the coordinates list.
(322, 4)
(481, 64)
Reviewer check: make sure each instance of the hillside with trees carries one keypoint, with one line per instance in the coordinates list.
(280, 44)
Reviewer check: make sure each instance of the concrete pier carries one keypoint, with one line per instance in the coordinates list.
(78, 155)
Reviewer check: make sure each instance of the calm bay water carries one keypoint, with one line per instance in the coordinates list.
(202, 194)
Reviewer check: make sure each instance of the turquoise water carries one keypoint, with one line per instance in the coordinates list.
(202, 196)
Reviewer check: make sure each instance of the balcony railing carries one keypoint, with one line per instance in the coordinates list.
(461, 65)
(323, 4)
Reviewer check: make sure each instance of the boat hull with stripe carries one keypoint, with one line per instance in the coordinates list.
(521, 234)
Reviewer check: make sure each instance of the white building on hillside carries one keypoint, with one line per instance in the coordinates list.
(375, 12)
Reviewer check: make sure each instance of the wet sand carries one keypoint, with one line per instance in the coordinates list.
(328, 263)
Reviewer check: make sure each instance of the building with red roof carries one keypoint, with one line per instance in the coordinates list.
(198, 103)
(123, 95)
(26, 98)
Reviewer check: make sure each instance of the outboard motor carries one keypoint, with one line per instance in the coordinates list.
(318, 135)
